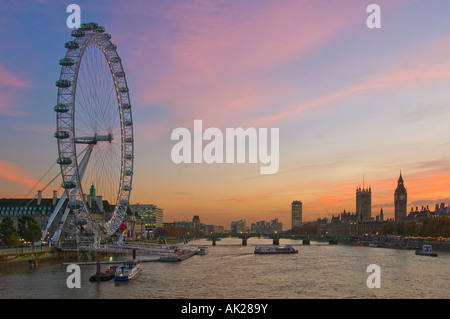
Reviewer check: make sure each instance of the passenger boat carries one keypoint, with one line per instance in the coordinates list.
(281, 249)
(202, 250)
(426, 251)
(106, 275)
(128, 271)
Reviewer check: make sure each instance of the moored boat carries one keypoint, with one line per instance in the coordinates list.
(361, 244)
(426, 250)
(128, 271)
(275, 249)
(202, 250)
(106, 275)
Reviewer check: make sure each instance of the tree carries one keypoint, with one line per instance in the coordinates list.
(28, 229)
(443, 226)
(308, 228)
(13, 239)
(407, 228)
(32, 233)
(6, 228)
(387, 228)
(435, 227)
(174, 231)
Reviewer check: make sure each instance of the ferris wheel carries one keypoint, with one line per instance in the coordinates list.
(94, 129)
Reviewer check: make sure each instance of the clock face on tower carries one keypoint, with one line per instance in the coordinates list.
(402, 197)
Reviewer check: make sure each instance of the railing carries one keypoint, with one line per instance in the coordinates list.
(146, 250)
(24, 250)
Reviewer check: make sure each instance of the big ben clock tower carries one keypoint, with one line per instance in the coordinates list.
(400, 200)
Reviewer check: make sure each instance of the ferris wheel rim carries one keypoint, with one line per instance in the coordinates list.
(92, 36)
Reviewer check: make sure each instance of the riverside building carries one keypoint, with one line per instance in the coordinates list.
(296, 213)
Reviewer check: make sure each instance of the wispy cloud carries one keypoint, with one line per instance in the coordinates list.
(8, 79)
(14, 173)
(219, 57)
(7, 104)
(9, 83)
(385, 80)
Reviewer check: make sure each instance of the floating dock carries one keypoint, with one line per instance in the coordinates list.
(177, 257)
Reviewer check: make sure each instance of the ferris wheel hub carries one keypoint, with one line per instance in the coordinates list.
(94, 139)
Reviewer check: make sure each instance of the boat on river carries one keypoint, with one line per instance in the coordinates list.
(202, 250)
(275, 249)
(106, 275)
(426, 250)
(128, 271)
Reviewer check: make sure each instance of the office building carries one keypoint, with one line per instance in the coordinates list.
(296, 213)
(152, 217)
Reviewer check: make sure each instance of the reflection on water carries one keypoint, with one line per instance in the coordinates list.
(231, 270)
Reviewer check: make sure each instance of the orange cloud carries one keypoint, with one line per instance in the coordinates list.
(12, 172)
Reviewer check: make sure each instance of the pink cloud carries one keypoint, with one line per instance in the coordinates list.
(217, 57)
(8, 79)
(7, 100)
(7, 104)
(12, 172)
(403, 77)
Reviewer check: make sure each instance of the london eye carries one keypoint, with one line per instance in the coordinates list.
(94, 130)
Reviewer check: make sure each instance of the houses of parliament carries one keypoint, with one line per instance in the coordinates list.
(362, 222)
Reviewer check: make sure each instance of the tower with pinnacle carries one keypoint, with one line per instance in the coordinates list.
(400, 200)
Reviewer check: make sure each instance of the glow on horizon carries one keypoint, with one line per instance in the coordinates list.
(350, 102)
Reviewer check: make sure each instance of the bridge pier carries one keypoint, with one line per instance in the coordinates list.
(306, 242)
(276, 241)
(99, 267)
(214, 241)
(333, 241)
(244, 241)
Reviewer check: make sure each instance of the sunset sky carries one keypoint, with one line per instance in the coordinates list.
(351, 103)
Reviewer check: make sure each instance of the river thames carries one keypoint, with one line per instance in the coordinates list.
(230, 270)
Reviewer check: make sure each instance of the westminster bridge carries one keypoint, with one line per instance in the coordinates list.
(306, 238)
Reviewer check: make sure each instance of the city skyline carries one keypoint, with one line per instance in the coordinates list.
(353, 105)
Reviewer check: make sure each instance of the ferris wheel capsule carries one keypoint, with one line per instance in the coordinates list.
(64, 161)
(100, 29)
(62, 134)
(71, 45)
(63, 83)
(68, 185)
(111, 47)
(77, 33)
(66, 62)
(61, 108)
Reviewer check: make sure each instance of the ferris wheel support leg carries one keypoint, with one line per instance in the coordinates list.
(57, 233)
(82, 168)
(53, 215)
